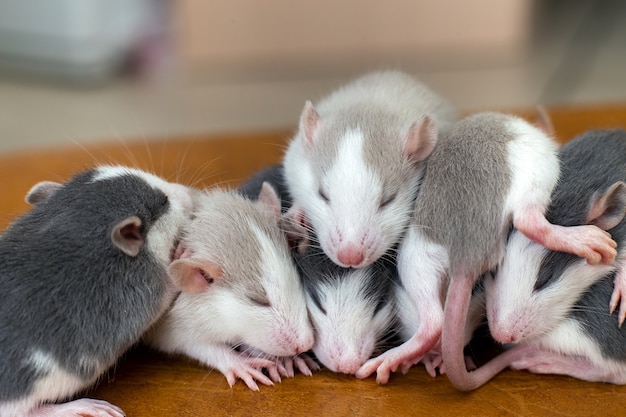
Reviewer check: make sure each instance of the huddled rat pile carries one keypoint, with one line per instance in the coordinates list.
(359, 252)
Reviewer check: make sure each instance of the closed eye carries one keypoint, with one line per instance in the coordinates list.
(387, 201)
(323, 196)
(260, 301)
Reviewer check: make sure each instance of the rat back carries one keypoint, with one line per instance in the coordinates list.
(73, 301)
(355, 165)
(463, 194)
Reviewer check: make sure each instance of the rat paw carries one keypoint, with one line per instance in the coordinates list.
(249, 370)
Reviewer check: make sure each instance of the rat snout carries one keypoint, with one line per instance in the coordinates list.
(507, 331)
(351, 255)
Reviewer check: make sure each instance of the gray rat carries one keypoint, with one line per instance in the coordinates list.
(554, 306)
(247, 292)
(491, 173)
(354, 167)
(83, 275)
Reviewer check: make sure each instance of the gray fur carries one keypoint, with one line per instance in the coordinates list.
(231, 215)
(598, 157)
(66, 290)
(274, 175)
(382, 105)
(462, 191)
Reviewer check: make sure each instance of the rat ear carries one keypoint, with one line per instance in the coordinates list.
(543, 121)
(309, 122)
(42, 191)
(194, 275)
(269, 199)
(421, 139)
(127, 237)
(294, 225)
(609, 208)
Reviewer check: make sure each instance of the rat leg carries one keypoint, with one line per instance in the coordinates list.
(586, 241)
(84, 407)
(542, 361)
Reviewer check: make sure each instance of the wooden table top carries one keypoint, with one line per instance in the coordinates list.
(147, 383)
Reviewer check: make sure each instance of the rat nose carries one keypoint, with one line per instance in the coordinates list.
(350, 255)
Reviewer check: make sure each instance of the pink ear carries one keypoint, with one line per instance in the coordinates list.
(421, 139)
(309, 121)
(193, 275)
(543, 121)
(609, 208)
(269, 199)
(127, 237)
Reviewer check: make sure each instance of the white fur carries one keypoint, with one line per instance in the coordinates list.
(347, 334)
(423, 268)
(514, 310)
(568, 350)
(56, 384)
(208, 325)
(354, 217)
(534, 164)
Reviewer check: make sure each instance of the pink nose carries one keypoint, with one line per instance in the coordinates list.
(350, 256)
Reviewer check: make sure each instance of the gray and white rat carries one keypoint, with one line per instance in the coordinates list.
(247, 291)
(554, 306)
(354, 167)
(492, 172)
(82, 276)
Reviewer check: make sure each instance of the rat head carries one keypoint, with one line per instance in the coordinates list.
(352, 310)
(145, 213)
(235, 258)
(355, 182)
(534, 289)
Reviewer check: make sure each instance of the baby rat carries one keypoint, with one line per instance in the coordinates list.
(554, 304)
(352, 310)
(247, 291)
(83, 275)
(492, 172)
(354, 167)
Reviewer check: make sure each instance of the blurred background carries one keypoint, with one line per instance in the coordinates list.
(83, 70)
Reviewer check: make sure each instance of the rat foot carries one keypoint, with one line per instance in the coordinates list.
(587, 241)
(84, 407)
(284, 366)
(433, 361)
(619, 293)
(406, 355)
(248, 370)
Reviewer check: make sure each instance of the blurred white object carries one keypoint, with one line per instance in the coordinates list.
(72, 40)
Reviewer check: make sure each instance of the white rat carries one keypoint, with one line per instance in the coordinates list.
(82, 276)
(554, 305)
(247, 291)
(354, 167)
(492, 172)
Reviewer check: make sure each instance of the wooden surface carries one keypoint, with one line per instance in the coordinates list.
(146, 383)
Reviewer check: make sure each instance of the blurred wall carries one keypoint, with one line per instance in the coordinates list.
(252, 35)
